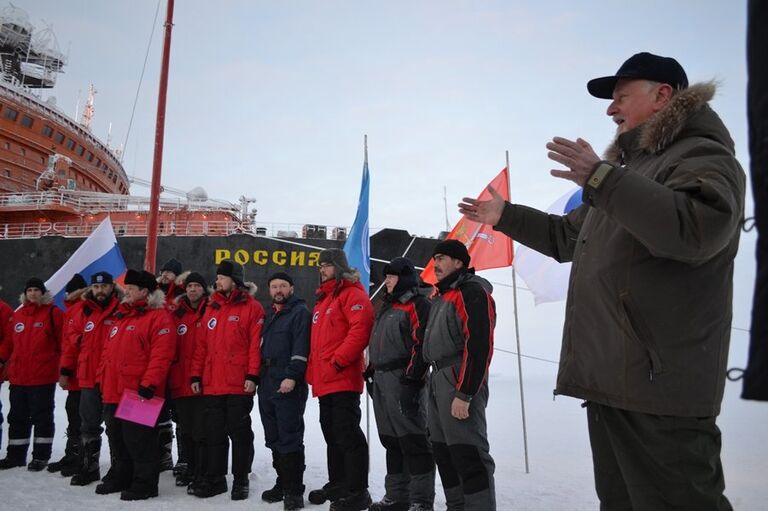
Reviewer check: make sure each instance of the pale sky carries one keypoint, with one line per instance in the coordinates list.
(272, 99)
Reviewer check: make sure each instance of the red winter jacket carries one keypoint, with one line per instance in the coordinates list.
(230, 349)
(341, 327)
(32, 350)
(190, 329)
(84, 337)
(138, 350)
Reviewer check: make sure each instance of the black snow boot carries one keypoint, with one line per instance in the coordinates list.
(292, 473)
(90, 451)
(387, 504)
(240, 487)
(210, 486)
(37, 465)
(70, 462)
(274, 494)
(327, 492)
(356, 501)
(16, 457)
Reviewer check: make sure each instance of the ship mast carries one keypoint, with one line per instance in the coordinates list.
(88, 110)
(157, 165)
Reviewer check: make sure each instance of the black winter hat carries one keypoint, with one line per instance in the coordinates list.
(338, 258)
(197, 278)
(141, 278)
(35, 282)
(406, 273)
(231, 270)
(102, 277)
(282, 276)
(641, 66)
(454, 249)
(172, 265)
(76, 282)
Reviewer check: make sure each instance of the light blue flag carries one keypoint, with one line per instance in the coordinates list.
(358, 246)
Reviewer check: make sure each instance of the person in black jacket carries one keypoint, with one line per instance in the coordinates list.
(283, 390)
(397, 373)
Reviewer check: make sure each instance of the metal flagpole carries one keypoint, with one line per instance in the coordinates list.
(517, 338)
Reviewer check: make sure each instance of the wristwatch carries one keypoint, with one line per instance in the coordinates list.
(602, 169)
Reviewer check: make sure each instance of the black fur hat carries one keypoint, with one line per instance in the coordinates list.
(172, 265)
(338, 258)
(231, 270)
(141, 278)
(76, 282)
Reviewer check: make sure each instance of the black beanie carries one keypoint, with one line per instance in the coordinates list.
(338, 258)
(35, 282)
(231, 270)
(281, 275)
(454, 249)
(75, 283)
(141, 278)
(172, 265)
(102, 277)
(197, 278)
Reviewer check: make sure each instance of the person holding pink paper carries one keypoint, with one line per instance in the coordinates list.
(137, 354)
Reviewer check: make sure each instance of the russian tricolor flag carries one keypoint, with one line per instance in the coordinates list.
(546, 278)
(99, 252)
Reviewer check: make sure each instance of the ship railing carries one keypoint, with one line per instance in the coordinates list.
(165, 228)
(107, 202)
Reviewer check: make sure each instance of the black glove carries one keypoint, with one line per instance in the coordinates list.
(368, 377)
(146, 392)
(410, 396)
(253, 378)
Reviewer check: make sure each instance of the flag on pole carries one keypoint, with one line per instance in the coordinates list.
(487, 248)
(546, 278)
(99, 252)
(357, 247)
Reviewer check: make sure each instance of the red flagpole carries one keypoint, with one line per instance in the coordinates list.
(157, 164)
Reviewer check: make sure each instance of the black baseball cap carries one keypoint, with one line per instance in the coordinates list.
(641, 66)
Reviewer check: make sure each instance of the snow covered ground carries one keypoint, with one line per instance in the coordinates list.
(560, 463)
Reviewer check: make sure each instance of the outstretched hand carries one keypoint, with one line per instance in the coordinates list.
(578, 156)
(485, 211)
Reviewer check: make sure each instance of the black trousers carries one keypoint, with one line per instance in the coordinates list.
(347, 449)
(72, 406)
(31, 406)
(648, 462)
(228, 417)
(190, 431)
(134, 452)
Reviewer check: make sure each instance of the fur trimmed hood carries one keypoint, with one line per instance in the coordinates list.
(45, 300)
(687, 112)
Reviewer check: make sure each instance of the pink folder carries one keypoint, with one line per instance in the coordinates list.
(141, 411)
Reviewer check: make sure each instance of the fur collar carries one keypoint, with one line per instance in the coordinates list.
(663, 128)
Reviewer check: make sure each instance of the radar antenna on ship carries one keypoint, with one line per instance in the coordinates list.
(88, 111)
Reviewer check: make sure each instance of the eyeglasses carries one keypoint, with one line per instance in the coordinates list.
(326, 265)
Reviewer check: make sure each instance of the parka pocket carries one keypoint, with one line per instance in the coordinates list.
(638, 330)
(237, 370)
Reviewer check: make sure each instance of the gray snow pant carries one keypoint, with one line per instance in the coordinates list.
(461, 447)
(410, 466)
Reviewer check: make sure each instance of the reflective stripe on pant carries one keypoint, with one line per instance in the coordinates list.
(466, 440)
(32, 406)
(646, 462)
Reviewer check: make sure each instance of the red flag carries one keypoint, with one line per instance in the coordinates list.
(487, 248)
